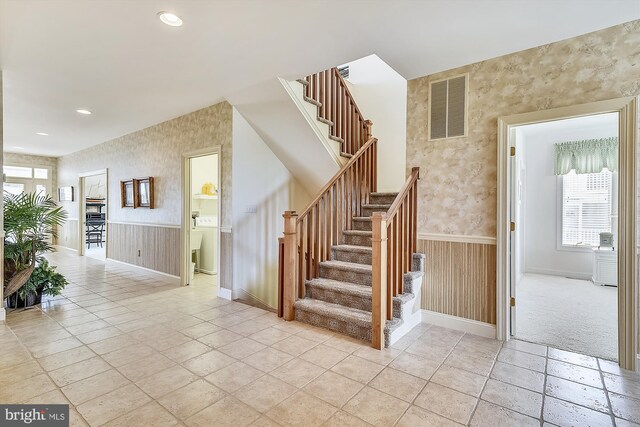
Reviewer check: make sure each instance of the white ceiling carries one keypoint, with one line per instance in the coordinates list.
(115, 58)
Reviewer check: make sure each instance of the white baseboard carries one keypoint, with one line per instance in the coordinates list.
(569, 274)
(3, 314)
(474, 327)
(59, 247)
(143, 268)
(207, 272)
(224, 293)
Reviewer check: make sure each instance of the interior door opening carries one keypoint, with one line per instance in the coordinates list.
(93, 206)
(564, 234)
(202, 215)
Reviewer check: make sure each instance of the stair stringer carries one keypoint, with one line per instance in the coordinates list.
(309, 110)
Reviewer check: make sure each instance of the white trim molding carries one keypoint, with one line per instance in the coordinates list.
(224, 293)
(3, 315)
(562, 273)
(144, 224)
(474, 327)
(142, 268)
(457, 238)
(59, 247)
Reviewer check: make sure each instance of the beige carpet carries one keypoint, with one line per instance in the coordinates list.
(568, 314)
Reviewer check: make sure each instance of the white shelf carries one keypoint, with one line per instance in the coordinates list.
(205, 197)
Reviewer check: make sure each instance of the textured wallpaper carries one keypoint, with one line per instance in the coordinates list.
(459, 175)
(156, 151)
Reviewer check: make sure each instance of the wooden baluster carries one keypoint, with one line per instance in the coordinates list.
(396, 257)
(379, 279)
(334, 99)
(289, 268)
(300, 264)
(309, 258)
(410, 222)
(375, 166)
(323, 103)
(280, 276)
(316, 241)
(339, 111)
(329, 93)
(415, 208)
(389, 271)
(403, 249)
(345, 120)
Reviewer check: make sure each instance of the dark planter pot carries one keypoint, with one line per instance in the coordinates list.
(15, 301)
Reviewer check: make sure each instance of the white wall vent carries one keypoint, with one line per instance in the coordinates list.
(448, 107)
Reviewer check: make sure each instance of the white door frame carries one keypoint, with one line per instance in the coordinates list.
(82, 211)
(627, 213)
(185, 240)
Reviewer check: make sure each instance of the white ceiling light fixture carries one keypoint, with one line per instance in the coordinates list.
(85, 112)
(18, 148)
(170, 18)
(41, 134)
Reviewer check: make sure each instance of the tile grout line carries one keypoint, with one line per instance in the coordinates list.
(544, 386)
(606, 393)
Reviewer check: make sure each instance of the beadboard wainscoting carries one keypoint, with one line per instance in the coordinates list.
(68, 234)
(460, 277)
(156, 247)
(226, 259)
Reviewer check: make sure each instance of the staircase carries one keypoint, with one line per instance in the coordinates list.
(348, 262)
(340, 299)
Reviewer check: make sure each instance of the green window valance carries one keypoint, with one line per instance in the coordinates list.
(588, 156)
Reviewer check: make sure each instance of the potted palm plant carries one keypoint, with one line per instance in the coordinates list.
(30, 223)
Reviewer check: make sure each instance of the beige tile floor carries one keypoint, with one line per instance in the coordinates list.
(125, 348)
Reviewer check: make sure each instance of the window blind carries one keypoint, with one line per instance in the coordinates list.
(586, 207)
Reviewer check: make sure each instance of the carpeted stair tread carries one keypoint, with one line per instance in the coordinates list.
(347, 266)
(357, 233)
(335, 311)
(342, 287)
(353, 248)
(382, 206)
(384, 194)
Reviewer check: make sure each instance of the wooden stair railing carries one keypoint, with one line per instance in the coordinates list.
(308, 237)
(337, 107)
(394, 241)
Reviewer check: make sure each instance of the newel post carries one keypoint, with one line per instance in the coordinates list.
(368, 124)
(289, 265)
(379, 279)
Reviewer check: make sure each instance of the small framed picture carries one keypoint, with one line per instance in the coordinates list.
(144, 192)
(127, 190)
(65, 194)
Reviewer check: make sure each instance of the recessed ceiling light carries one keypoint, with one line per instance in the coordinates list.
(42, 134)
(170, 19)
(18, 148)
(85, 112)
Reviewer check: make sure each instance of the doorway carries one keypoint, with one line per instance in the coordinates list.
(93, 206)
(507, 293)
(201, 220)
(565, 208)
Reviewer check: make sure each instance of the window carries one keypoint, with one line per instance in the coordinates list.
(586, 207)
(13, 188)
(448, 108)
(17, 172)
(39, 173)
